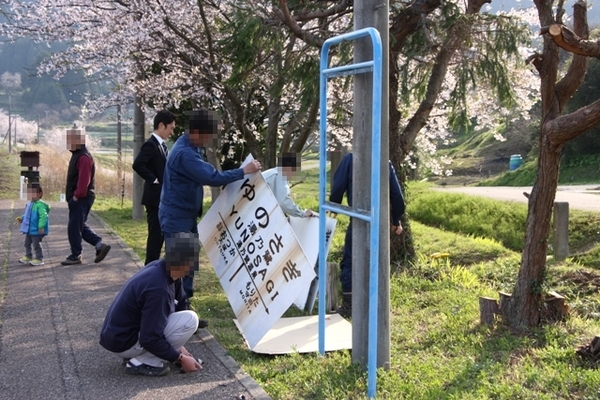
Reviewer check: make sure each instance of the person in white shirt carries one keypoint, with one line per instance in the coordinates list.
(288, 166)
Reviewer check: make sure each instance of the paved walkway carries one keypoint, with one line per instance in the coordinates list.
(51, 317)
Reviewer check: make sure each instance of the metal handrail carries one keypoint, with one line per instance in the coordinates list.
(372, 215)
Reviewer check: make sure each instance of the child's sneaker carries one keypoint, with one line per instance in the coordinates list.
(36, 262)
(25, 260)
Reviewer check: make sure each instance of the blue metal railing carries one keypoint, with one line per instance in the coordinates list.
(372, 215)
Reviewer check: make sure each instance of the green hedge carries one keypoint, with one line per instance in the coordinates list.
(471, 215)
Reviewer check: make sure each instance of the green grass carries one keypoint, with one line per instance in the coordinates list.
(438, 349)
(9, 183)
(133, 232)
(522, 176)
(581, 170)
(504, 222)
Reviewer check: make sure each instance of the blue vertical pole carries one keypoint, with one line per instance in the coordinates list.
(322, 192)
(374, 66)
(375, 202)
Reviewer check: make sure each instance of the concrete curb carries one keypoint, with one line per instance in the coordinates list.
(255, 390)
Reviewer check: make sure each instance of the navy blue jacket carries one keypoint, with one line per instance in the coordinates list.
(342, 183)
(182, 193)
(140, 311)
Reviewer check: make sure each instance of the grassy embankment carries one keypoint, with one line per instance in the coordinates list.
(439, 350)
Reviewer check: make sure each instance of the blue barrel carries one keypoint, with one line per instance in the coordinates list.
(515, 162)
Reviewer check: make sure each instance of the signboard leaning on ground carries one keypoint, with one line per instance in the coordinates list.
(255, 254)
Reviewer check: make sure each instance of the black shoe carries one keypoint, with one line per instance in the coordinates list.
(72, 260)
(147, 370)
(101, 253)
(345, 310)
(202, 323)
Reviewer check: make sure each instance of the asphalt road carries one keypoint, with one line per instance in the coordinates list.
(579, 197)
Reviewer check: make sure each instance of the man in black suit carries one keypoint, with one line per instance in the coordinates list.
(150, 165)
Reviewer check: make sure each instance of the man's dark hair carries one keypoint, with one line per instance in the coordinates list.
(164, 116)
(289, 160)
(204, 121)
(182, 248)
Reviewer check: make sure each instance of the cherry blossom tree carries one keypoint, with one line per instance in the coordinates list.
(257, 62)
(446, 60)
(227, 55)
(524, 307)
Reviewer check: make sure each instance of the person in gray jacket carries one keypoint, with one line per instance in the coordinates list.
(277, 179)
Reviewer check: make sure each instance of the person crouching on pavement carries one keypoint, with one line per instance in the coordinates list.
(149, 322)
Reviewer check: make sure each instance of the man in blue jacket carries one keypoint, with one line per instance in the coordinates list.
(149, 321)
(342, 183)
(185, 175)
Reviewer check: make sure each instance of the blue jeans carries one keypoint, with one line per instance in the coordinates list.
(36, 242)
(77, 228)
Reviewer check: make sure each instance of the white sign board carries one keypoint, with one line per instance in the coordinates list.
(307, 232)
(255, 254)
(301, 335)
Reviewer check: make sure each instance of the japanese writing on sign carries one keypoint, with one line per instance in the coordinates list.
(255, 254)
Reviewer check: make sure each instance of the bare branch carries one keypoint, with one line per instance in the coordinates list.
(569, 126)
(537, 60)
(574, 77)
(405, 23)
(569, 41)
(286, 18)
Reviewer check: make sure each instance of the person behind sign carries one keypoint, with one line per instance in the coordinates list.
(342, 183)
(277, 178)
(186, 172)
(150, 165)
(149, 321)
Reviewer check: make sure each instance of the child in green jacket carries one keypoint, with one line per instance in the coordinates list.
(34, 224)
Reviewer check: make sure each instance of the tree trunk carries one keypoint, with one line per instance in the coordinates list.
(138, 139)
(402, 247)
(212, 159)
(524, 306)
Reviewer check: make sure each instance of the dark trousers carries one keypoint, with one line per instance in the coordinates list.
(154, 243)
(346, 264)
(77, 228)
(36, 242)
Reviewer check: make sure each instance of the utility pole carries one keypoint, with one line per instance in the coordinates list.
(9, 123)
(370, 13)
(38, 129)
(138, 140)
(119, 148)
